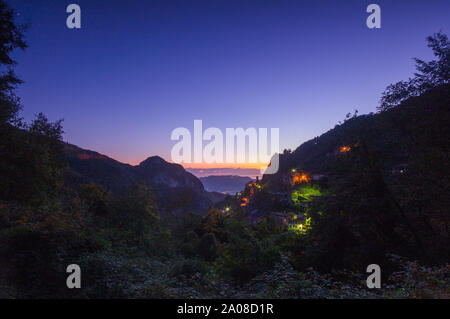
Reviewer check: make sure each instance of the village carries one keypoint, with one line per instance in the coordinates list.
(288, 204)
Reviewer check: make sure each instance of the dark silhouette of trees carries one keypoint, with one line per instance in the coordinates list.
(31, 159)
(429, 74)
(11, 38)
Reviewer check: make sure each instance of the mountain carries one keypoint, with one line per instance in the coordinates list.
(176, 190)
(156, 171)
(227, 184)
(396, 138)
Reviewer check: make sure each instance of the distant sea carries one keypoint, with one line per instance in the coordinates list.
(203, 172)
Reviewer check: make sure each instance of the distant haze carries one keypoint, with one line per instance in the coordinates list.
(203, 172)
(226, 184)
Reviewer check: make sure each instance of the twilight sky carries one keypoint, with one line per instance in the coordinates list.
(138, 69)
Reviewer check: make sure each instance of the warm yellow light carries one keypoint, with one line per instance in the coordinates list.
(298, 178)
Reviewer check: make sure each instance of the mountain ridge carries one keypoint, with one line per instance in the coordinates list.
(170, 182)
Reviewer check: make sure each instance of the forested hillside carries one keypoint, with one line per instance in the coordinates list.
(176, 191)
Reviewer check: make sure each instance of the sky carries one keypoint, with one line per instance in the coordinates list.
(136, 70)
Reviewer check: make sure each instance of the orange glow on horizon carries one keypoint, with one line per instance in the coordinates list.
(225, 165)
(134, 162)
(257, 166)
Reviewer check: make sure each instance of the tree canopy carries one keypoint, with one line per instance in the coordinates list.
(429, 74)
(11, 38)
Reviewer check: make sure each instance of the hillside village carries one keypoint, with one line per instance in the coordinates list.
(300, 189)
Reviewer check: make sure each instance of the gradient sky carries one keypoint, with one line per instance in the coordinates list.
(138, 69)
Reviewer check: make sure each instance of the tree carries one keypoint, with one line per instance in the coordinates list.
(11, 38)
(136, 212)
(32, 162)
(41, 126)
(430, 75)
(244, 255)
(213, 223)
(96, 198)
(207, 247)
